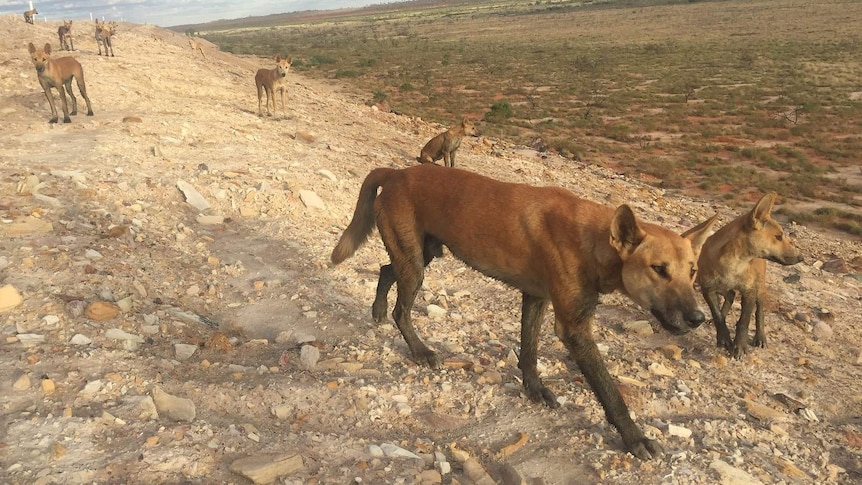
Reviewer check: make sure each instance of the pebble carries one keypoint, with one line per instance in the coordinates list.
(326, 173)
(638, 327)
(92, 254)
(435, 312)
(22, 383)
(822, 331)
(30, 338)
(660, 370)
(674, 430)
(308, 357)
(9, 298)
(184, 351)
(209, 220)
(266, 468)
(173, 407)
(117, 334)
(101, 311)
(393, 451)
(91, 388)
(763, 413)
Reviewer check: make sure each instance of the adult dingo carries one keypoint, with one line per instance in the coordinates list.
(272, 80)
(58, 73)
(554, 247)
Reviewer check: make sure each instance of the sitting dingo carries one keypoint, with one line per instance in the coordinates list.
(446, 144)
(544, 241)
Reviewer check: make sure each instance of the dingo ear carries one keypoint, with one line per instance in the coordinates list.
(31, 48)
(278, 58)
(290, 59)
(761, 211)
(47, 48)
(698, 234)
(626, 234)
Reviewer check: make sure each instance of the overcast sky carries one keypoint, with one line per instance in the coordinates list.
(170, 12)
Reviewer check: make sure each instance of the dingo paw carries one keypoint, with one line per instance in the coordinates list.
(645, 449)
(537, 392)
(759, 341)
(429, 357)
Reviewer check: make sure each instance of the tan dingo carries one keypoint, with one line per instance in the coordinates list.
(64, 32)
(734, 260)
(544, 241)
(272, 81)
(446, 144)
(58, 73)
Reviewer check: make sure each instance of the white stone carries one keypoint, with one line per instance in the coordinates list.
(308, 356)
(435, 312)
(311, 199)
(184, 351)
(80, 339)
(733, 476)
(193, 197)
(682, 432)
(393, 451)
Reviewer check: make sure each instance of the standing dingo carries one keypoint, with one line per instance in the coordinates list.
(272, 80)
(57, 73)
(544, 241)
(446, 144)
(64, 32)
(104, 32)
(734, 260)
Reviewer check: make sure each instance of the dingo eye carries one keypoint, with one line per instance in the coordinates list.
(660, 269)
(693, 272)
(779, 237)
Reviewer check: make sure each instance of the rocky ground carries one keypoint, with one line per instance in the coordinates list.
(149, 340)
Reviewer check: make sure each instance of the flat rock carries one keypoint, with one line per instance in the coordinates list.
(193, 197)
(730, 475)
(26, 226)
(311, 199)
(435, 312)
(80, 339)
(638, 327)
(763, 413)
(117, 334)
(184, 351)
(393, 451)
(266, 468)
(22, 383)
(209, 220)
(173, 407)
(9, 298)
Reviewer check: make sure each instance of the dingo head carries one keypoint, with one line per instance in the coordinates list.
(282, 66)
(659, 269)
(67, 24)
(40, 57)
(765, 238)
(469, 127)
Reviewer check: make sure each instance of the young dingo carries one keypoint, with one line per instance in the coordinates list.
(734, 260)
(29, 14)
(104, 32)
(64, 32)
(57, 73)
(446, 144)
(272, 80)
(544, 241)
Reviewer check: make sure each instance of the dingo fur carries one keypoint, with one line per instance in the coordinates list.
(57, 73)
(446, 144)
(272, 80)
(29, 14)
(734, 260)
(544, 241)
(64, 32)
(197, 46)
(104, 32)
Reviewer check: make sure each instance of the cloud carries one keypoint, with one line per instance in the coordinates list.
(173, 12)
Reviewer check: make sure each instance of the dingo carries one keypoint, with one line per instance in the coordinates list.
(64, 32)
(29, 14)
(446, 144)
(272, 80)
(104, 32)
(544, 241)
(57, 73)
(197, 46)
(734, 260)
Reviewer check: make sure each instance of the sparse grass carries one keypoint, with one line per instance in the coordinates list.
(758, 94)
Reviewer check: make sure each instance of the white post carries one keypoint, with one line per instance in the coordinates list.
(31, 5)
(91, 16)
